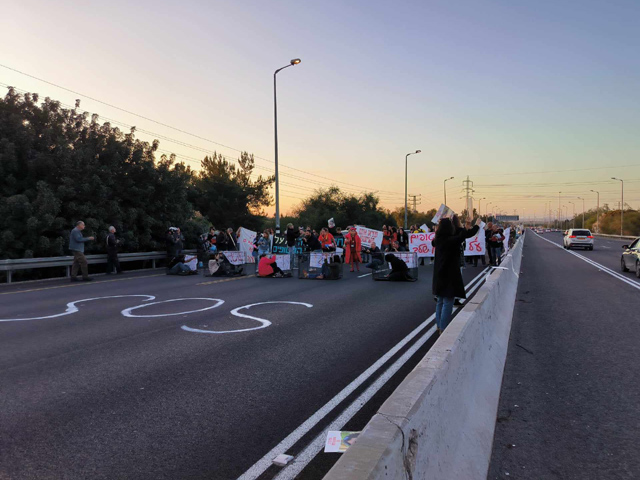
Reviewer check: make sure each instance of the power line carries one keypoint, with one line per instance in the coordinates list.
(175, 128)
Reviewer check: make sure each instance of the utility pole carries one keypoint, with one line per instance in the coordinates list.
(468, 188)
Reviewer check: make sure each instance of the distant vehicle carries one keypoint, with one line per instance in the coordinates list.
(548, 230)
(578, 238)
(630, 259)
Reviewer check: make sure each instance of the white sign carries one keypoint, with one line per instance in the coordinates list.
(331, 223)
(424, 228)
(191, 261)
(235, 258)
(476, 245)
(283, 261)
(245, 243)
(317, 259)
(505, 242)
(420, 243)
(339, 442)
(442, 212)
(368, 235)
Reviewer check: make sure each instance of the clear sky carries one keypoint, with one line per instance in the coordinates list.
(490, 89)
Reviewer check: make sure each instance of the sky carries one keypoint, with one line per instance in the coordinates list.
(527, 98)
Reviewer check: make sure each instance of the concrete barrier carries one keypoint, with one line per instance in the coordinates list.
(439, 423)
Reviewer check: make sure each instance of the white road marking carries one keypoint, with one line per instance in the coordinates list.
(365, 275)
(127, 312)
(264, 463)
(71, 307)
(263, 323)
(604, 269)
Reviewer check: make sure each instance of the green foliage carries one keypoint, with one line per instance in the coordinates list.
(59, 165)
(345, 209)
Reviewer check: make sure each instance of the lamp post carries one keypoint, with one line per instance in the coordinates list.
(597, 212)
(559, 209)
(621, 202)
(293, 62)
(582, 198)
(566, 214)
(573, 222)
(406, 161)
(486, 210)
(479, 206)
(445, 188)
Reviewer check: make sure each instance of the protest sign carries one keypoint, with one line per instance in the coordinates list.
(280, 246)
(339, 442)
(420, 243)
(424, 228)
(191, 261)
(245, 243)
(235, 258)
(476, 245)
(331, 223)
(407, 257)
(442, 212)
(284, 262)
(505, 242)
(368, 235)
(316, 259)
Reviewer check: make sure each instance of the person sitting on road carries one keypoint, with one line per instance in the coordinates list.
(177, 267)
(377, 259)
(267, 267)
(399, 269)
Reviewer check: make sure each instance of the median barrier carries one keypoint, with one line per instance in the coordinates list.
(439, 423)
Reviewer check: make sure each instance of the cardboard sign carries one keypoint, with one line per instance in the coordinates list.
(420, 243)
(339, 442)
(410, 258)
(477, 244)
(442, 212)
(316, 259)
(368, 235)
(235, 258)
(505, 242)
(245, 243)
(280, 246)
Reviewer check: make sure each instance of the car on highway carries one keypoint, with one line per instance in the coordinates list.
(578, 238)
(630, 259)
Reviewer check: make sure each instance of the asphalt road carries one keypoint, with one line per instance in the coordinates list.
(571, 388)
(93, 387)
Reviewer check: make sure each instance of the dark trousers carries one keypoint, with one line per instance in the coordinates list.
(79, 260)
(113, 262)
(475, 260)
(276, 269)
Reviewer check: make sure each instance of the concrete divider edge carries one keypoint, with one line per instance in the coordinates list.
(439, 423)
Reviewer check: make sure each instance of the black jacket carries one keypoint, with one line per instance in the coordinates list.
(447, 279)
(292, 234)
(112, 243)
(313, 243)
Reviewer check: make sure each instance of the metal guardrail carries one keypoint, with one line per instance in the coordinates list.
(16, 264)
(621, 237)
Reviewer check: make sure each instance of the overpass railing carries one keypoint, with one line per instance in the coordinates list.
(13, 265)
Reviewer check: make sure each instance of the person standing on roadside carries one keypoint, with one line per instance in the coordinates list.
(447, 277)
(292, 235)
(76, 245)
(112, 252)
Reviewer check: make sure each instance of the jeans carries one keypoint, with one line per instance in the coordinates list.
(375, 264)
(292, 255)
(443, 311)
(495, 253)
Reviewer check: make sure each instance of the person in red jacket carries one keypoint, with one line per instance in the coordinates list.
(352, 248)
(267, 267)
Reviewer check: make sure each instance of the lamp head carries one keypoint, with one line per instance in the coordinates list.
(418, 151)
(295, 61)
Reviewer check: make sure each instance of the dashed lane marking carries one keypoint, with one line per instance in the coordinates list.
(222, 280)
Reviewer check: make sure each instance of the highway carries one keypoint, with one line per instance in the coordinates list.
(569, 399)
(148, 376)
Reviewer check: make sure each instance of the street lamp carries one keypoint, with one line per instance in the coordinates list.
(582, 198)
(486, 210)
(621, 203)
(597, 212)
(445, 188)
(559, 209)
(406, 161)
(293, 62)
(573, 222)
(566, 214)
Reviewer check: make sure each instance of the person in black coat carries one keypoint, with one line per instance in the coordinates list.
(399, 269)
(112, 252)
(447, 278)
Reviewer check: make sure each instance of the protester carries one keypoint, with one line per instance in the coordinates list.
(352, 249)
(403, 240)
(496, 245)
(488, 233)
(377, 259)
(213, 236)
(76, 245)
(263, 244)
(267, 267)
(112, 252)
(394, 247)
(202, 249)
(386, 238)
(312, 242)
(327, 241)
(173, 240)
(399, 269)
(292, 236)
(447, 277)
(177, 266)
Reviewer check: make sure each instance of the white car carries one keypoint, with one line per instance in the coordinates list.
(578, 237)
